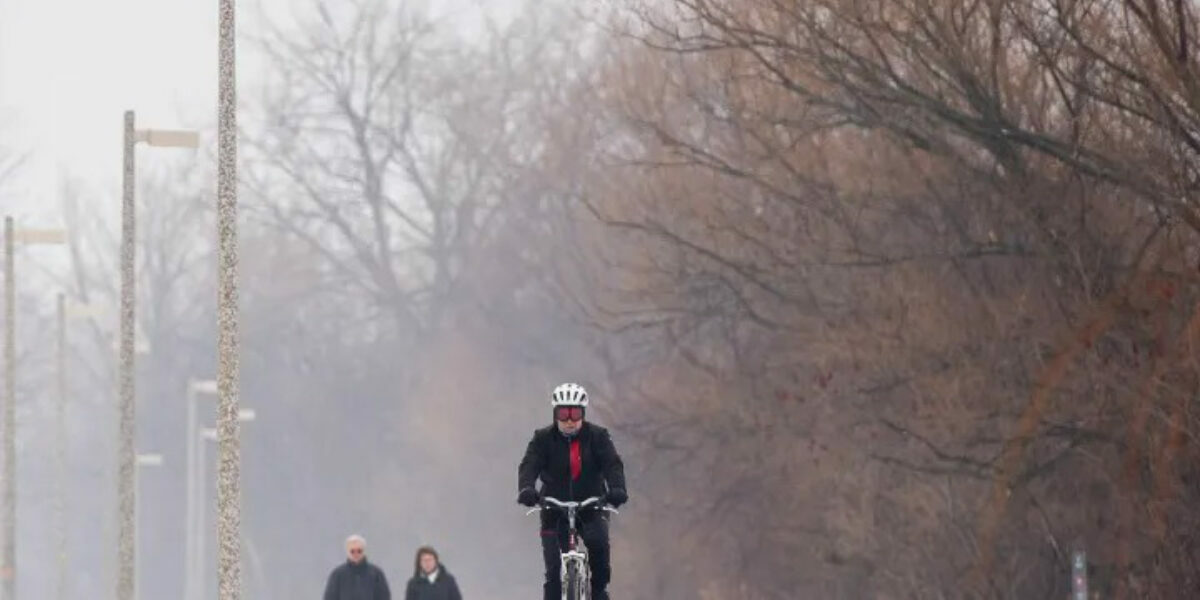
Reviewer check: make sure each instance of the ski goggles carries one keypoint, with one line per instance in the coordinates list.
(568, 413)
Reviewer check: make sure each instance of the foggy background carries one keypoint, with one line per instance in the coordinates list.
(880, 300)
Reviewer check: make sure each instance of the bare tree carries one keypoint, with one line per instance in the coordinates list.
(384, 150)
(854, 200)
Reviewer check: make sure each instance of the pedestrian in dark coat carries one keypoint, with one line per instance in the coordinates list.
(431, 580)
(357, 578)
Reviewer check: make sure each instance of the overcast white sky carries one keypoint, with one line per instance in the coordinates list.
(69, 68)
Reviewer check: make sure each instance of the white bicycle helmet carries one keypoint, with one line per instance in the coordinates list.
(569, 394)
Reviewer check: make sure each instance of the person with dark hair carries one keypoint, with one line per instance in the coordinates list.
(431, 580)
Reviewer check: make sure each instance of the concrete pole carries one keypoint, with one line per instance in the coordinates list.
(189, 575)
(203, 514)
(126, 459)
(229, 564)
(8, 551)
(137, 515)
(60, 455)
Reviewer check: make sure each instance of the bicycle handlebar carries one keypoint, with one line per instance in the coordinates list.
(557, 503)
(549, 503)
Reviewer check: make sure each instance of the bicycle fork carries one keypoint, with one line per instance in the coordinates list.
(574, 555)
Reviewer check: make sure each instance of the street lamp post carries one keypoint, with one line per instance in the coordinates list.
(195, 388)
(213, 435)
(229, 561)
(142, 460)
(205, 434)
(8, 549)
(125, 453)
(60, 452)
(65, 313)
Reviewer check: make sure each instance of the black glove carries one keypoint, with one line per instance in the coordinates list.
(616, 497)
(528, 497)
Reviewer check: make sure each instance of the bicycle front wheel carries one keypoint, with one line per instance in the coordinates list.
(574, 585)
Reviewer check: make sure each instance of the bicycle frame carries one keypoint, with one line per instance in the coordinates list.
(575, 553)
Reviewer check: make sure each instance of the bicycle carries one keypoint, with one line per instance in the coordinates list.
(576, 576)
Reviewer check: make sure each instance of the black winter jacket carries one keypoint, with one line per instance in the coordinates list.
(362, 581)
(443, 588)
(548, 457)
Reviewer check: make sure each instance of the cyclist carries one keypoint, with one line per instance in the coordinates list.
(575, 460)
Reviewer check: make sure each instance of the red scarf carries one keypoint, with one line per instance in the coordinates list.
(576, 460)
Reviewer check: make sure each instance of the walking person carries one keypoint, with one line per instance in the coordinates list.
(357, 578)
(431, 580)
